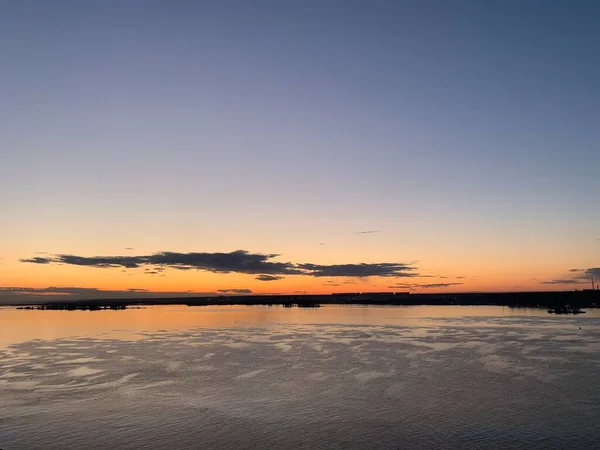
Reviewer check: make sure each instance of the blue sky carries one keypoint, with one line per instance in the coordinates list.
(456, 128)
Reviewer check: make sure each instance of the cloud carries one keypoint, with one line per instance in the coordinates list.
(584, 277)
(265, 277)
(438, 285)
(460, 278)
(240, 261)
(565, 281)
(38, 260)
(23, 295)
(593, 272)
(234, 291)
(367, 232)
(423, 286)
(50, 290)
(359, 270)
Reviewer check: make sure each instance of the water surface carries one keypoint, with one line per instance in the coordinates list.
(273, 377)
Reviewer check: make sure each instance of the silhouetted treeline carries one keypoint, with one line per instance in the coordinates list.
(576, 299)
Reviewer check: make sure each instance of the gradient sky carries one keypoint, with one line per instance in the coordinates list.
(466, 133)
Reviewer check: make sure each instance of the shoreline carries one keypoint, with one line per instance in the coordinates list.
(576, 299)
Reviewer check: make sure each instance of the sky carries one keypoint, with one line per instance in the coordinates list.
(176, 147)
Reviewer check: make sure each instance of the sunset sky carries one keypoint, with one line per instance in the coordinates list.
(298, 146)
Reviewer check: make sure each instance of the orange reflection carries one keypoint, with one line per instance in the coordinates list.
(25, 325)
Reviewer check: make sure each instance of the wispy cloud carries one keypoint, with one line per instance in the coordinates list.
(265, 277)
(367, 232)
(20, 295)
(234, 291)
(423, 286)
(38, 260)
(564, 281)
(584, 276)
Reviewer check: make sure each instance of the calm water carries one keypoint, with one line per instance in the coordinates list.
(267, 378)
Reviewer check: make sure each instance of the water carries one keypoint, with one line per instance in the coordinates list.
(331, 378)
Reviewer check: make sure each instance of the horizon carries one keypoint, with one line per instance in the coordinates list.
(279, 149)
(141, 295)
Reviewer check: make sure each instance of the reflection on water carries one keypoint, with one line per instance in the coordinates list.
(20, 325)
(333, 377)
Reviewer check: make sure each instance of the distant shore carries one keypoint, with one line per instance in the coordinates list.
(576, 299)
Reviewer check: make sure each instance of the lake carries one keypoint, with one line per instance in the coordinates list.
(335, 377)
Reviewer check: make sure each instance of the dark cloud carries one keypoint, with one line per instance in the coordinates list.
(234, 291)
(584, 277)
(265, 277)
(129, 262)
(38, 260)
(593, 272)
(367, 232)
(359, 270)
(128, 248)
(239, 261)
(460, 278)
